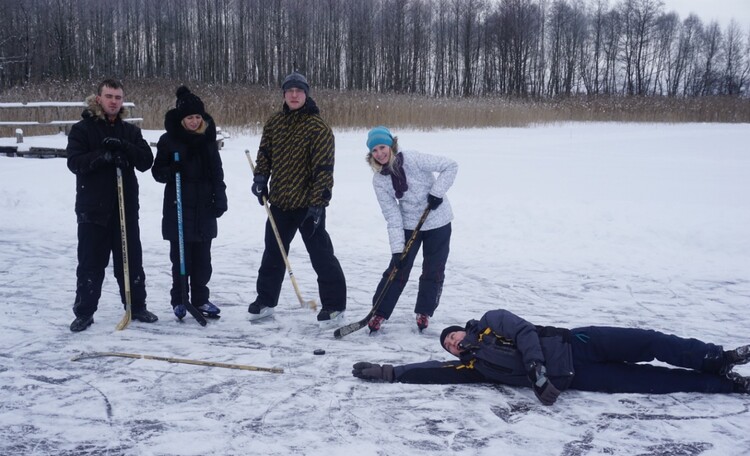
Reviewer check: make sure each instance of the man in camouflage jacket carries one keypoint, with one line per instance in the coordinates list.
(296, 154)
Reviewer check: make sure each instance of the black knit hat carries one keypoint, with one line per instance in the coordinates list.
(296, 80)
(447, 331)
(188, 103)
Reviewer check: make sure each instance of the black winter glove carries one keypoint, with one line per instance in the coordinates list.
(313, 216)
(219, 210)
(220, 206)
(111, 158)
(101, 159)
(433, 201)
(396, 261)
(120, 159)
(544, 390)
(112, 144)
(369, 371)
(260, 187)
(175, 167)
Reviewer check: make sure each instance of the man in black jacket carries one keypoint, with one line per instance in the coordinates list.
(504, 348)
(97, 146)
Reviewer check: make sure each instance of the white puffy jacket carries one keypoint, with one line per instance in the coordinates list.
(404, 213)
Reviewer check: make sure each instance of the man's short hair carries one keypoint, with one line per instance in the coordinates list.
(111, 83)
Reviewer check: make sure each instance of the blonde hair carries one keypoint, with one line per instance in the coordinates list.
(198, 131)
(377, 167)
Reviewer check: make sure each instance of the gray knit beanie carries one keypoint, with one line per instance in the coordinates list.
(296, 80)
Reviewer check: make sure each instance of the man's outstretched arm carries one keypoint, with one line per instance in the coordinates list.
(428, 372)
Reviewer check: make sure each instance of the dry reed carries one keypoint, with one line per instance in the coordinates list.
(245, 108)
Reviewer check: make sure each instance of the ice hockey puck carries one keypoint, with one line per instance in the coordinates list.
(319, 351)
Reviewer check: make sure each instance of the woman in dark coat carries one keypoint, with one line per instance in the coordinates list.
(191, 132)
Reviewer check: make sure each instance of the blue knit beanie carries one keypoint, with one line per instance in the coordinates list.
(377, 136)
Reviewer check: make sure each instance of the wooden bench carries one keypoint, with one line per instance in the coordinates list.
(35, 112)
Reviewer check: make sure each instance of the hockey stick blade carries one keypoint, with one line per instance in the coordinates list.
(311, 304)
(352, 327)
(125, 320)
(196, 313)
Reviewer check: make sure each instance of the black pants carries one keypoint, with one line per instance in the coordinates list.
(435, 248)
(198, 270)
(611, 360)
(95, 243)
(331, 281)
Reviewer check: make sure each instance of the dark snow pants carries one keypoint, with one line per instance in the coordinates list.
(436, 246)
(608, 359)
(95, 243)
(331, 281)
(198, 270)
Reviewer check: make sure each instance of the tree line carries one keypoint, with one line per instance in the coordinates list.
(442, 48)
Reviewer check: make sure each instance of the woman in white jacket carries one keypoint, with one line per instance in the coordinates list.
(405, 185)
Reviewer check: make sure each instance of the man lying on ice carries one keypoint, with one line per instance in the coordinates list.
(504, 348)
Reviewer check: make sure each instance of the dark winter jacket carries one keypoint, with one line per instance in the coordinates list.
(499, 348)
(96, 180)
(204, 195)
(297, 151)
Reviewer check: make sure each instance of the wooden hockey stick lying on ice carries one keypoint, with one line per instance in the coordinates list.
(86, 355)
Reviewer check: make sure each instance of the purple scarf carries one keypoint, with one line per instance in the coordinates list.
(398, 177)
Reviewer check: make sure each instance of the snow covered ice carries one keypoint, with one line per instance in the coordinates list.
(605, 223)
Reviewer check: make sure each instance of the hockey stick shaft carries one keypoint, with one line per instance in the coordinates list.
(357, 325)
(311, 304)
(181, 240)
(125, 265)
(275, 370)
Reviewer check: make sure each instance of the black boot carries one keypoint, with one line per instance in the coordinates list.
(741, 384)
(721, 362)
(81, 323)
(143, 315)
(740, 355)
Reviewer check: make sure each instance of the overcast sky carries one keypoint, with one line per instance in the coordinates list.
(708, 10)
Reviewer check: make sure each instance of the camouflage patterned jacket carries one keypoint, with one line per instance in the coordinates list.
(297, 152)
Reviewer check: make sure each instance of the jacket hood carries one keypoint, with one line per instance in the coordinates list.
(93, 109)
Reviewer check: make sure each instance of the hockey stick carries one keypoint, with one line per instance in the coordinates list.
(181, 238)
(311, 304)
(357, 325)
(86, 355)
(125, 266)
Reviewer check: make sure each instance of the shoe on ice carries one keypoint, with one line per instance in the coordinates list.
(330, 318)
(327, 314)
(81, 323)
(209, 310)
(179, 311)
(143, 315)
(375, 322)
(258, 311)
(740, 384)
(423, 320)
